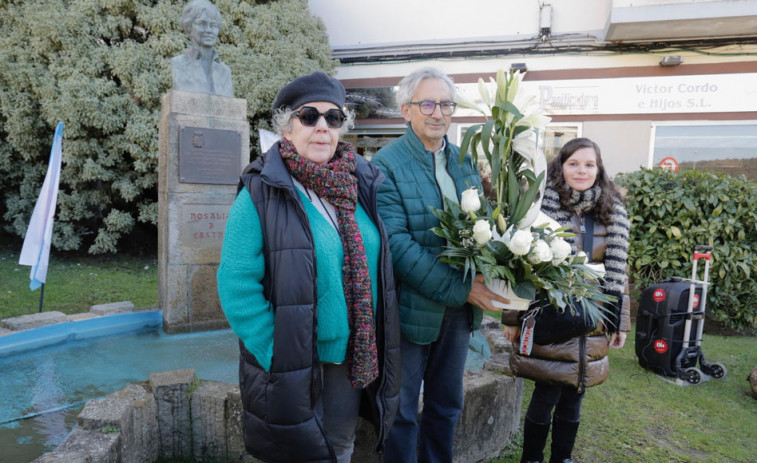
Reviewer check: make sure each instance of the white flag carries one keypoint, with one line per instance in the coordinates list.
(267, 139)
(36, 250)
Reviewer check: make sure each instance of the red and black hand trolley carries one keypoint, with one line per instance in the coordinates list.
(669, 326)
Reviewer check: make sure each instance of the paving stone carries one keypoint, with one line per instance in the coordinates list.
(81, 316)
(209, 408)
(34, 320)
(171, 389)
(85, 446)
(133, 412)
(112, 308)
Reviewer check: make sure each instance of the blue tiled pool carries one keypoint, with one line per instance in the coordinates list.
(47, 374)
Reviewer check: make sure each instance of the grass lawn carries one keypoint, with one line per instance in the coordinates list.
(76, 282)
(633, 417)
(636, 416)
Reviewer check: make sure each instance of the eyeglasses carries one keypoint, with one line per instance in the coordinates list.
(309, 116)
(427, 107)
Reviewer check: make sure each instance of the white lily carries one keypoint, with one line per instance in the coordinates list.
(464, 102)
(525, 144)
(484, 91)
(515, 80)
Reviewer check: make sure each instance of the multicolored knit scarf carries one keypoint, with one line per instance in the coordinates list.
(335, 182)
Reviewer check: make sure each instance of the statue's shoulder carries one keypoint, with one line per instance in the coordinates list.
(225, 67)
(179, 59)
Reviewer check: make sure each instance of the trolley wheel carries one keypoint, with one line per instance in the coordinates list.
(718, 371)
(693, 375)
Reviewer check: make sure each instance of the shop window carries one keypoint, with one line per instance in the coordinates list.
(555, 136)
(727, 148)
(374, 103)
(368, 141)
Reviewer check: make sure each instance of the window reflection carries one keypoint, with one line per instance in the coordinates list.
(731, 149)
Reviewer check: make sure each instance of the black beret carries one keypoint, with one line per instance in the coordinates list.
(306, 89)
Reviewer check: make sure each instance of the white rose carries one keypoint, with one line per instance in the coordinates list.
(560, 250)
(580, 257)
(520, 242)
(540, 253)
(470, 201)
(481, 232)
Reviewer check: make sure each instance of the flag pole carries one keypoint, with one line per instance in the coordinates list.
(41, 297)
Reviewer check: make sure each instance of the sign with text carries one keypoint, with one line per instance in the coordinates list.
(204, 224)
(637, 95)
(209, 155)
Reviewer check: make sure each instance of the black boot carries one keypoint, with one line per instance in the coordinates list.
(534, 439)
(563, 438)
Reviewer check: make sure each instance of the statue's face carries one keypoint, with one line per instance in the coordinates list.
(204, 30)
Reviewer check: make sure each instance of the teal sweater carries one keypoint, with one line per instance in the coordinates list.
(242, 269)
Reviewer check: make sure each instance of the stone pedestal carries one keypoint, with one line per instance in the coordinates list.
(204, 145)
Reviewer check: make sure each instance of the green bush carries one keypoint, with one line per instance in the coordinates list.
(672, 212)
(101, 66)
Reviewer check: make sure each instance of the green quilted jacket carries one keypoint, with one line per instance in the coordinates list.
(426, 285)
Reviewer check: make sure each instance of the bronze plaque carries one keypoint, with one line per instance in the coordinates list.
(209, 155)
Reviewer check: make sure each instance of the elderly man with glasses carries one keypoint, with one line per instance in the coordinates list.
(439, 307)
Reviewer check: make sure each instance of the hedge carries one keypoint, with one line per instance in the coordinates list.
(671, 212)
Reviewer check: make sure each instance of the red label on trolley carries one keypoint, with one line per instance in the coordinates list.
(702, 255)
(696, 301)
(658, 295)
(660, 346)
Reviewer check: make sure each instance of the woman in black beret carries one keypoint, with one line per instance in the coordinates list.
(306, 283)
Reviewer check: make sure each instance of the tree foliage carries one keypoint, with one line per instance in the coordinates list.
(101, 66)
(672, 212)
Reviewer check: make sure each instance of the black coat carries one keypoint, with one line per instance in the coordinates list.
(279, 420)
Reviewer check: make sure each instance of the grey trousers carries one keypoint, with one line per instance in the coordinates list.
(341, 406)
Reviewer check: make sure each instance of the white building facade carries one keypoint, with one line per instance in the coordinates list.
(661, 82)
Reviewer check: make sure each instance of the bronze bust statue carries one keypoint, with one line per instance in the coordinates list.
(199, 70)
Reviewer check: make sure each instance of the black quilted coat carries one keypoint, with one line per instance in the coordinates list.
(279, 421)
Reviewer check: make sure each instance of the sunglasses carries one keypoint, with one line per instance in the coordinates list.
(309, 116)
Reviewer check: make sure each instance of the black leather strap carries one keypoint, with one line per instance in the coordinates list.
(588, 236)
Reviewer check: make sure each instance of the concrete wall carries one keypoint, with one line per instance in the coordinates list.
(625, 144)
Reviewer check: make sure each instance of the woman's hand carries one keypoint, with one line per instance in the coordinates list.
(512, 333)
(618, 339)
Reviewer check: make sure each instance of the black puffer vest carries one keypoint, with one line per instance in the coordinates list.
(280, 424)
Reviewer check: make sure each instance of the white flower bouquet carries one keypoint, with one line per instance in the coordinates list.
(505, 236)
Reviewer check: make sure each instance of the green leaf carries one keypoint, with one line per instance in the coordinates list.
(513, 190)
(486, 135)
(465, 145)
(511, 108)
(525, 290)
(527, 200)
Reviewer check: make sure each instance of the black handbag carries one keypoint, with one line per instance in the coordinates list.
(544, 324)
